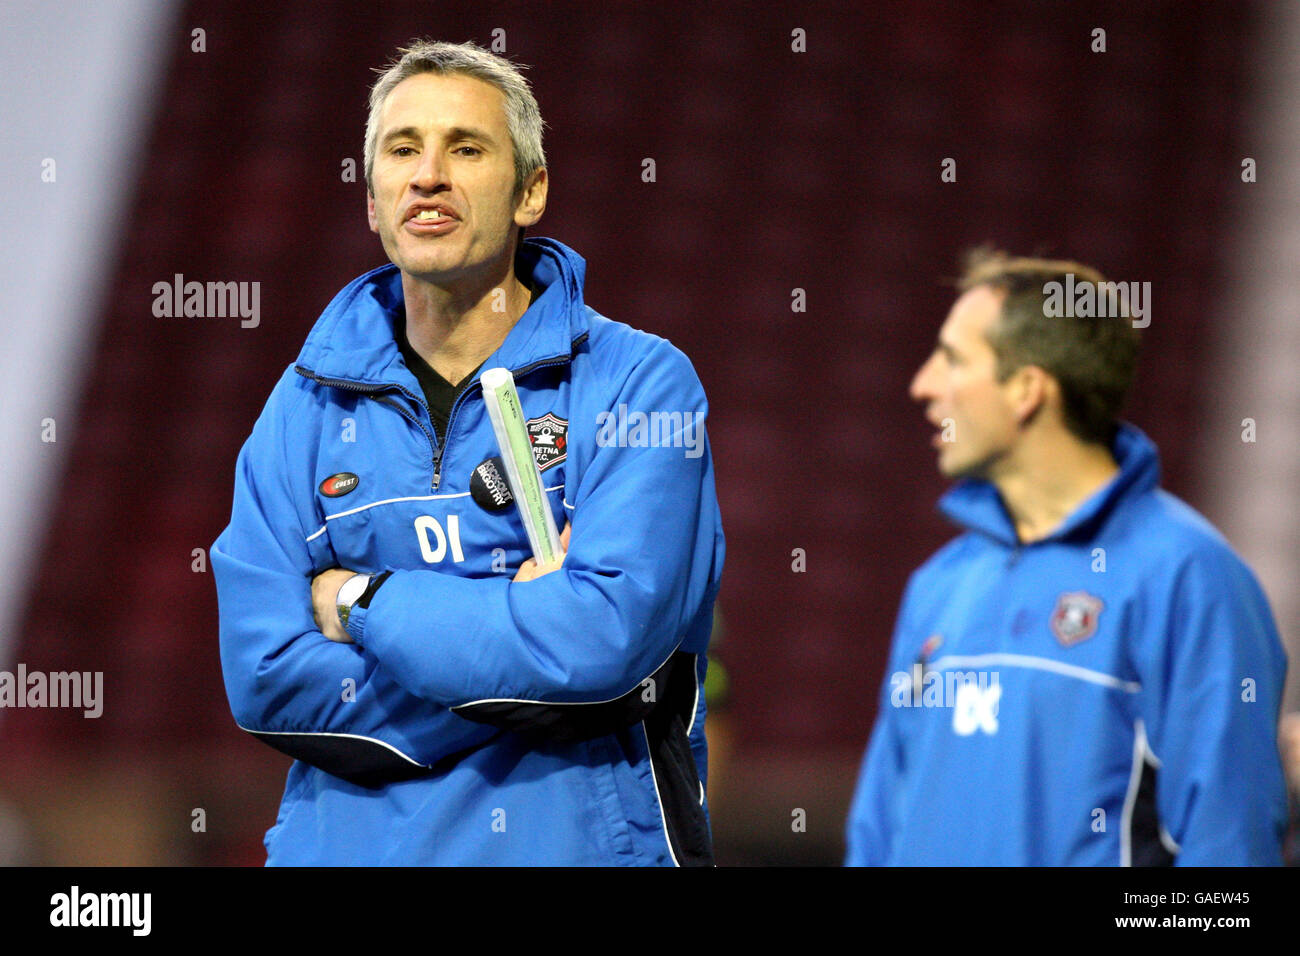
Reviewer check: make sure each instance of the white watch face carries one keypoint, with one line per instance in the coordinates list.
(352, 589)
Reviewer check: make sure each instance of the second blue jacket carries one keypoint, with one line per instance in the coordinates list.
(1106, 696)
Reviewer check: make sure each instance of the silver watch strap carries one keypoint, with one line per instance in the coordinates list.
(350, 593)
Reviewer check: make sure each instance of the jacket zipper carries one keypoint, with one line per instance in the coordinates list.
(434, 450)
(438, 451)
(442, 449)
(516, 373)
(372, 392)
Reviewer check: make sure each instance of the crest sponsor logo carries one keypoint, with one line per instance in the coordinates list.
(336, 486)
(929, 647)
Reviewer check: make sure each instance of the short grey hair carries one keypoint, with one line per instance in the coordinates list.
(523, 118)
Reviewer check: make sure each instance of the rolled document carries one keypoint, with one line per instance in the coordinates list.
(521, 467)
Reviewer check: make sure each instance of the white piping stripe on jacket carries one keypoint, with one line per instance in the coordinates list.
(318, 733)
(1142, 756)
(695, 701)
(1166, 838)
(390, 501)
(567, 703)
(954, 662)
(655, 780)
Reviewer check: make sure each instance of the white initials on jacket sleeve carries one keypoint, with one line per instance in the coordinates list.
(433, 553)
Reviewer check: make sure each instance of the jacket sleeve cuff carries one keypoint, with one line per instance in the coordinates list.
(356, 626)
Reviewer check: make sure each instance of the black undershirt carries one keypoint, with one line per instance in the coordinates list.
(439, 393)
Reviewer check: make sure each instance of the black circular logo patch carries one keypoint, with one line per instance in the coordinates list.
(488, 486)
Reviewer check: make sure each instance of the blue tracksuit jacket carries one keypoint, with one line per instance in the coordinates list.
(1122, 677)
(478, 721)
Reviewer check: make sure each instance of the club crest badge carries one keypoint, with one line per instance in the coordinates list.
(550, 438)
(1075, 617)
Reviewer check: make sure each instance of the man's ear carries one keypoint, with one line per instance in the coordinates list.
(1032, 390)
(370, 211)
(532, 199)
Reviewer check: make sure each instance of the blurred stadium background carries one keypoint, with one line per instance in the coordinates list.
(776, 171)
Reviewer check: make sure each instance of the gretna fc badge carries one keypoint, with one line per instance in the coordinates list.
(1075, 617)
(549, 436)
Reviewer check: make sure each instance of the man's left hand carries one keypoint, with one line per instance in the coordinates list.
(531, 570)
(324, 603)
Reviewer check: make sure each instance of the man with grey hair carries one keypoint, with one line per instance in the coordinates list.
(446, 699)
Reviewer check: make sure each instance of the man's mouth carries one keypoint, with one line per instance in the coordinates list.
(936, 440)
(428, 211)
(430, 221)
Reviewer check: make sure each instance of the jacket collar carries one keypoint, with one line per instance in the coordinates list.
(353, 341)
(977, 506)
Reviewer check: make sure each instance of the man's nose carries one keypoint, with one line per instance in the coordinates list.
(430, 173)
(920, 388)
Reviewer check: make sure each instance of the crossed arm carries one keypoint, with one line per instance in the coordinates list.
(325, 590)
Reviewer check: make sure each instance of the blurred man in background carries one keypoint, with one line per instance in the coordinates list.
(1088, 675)
(1289, 742)
(438, 711)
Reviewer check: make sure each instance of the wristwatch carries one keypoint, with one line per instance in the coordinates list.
(349, 594)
